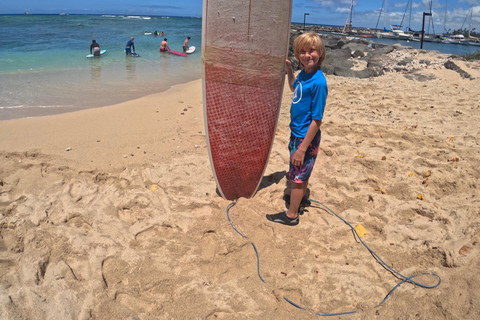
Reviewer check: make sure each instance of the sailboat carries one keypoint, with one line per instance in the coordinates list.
(473, 41)
(347, 29)
(453, 39)
(396, 31)
(348, 26)
(417, 35)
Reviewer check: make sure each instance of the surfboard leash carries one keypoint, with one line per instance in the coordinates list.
(384, 264)
(254, 247)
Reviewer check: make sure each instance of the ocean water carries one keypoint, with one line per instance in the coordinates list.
(44, 69)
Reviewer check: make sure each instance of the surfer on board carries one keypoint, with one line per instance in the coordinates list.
(185, 45)
(95, 47)
(306, 114)
(164, 45)
(130, 47)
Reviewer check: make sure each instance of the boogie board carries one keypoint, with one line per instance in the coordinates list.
(190, 50)
(177, 53)
(244, 47)
(133, 54)
(101, 52)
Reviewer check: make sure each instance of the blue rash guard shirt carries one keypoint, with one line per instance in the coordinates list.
(130, 45)
(308, 101)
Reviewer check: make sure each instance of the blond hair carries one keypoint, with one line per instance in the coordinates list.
(306, 42)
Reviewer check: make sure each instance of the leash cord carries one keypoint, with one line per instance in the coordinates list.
(404, 278)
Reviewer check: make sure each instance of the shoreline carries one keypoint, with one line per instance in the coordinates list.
(99, 92)
(119, 124)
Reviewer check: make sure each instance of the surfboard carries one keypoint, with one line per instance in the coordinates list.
(91, 55)
(190, 50)
(244, 47)
(177, 53)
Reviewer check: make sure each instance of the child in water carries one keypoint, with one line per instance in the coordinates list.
(306, 114)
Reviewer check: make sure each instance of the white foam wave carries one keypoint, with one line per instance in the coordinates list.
(32, 107)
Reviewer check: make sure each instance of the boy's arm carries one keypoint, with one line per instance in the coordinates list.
(299, 155)
(290, 76)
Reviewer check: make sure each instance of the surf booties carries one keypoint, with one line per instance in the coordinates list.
(303, 204)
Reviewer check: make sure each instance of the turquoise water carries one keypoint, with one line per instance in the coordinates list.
(44, 71)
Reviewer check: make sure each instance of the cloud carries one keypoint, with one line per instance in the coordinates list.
(156, 7)
(471, 2)
(330, 3)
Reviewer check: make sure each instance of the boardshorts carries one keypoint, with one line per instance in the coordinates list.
(298, 174)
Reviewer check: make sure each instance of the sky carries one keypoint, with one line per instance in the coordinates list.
(329, 12)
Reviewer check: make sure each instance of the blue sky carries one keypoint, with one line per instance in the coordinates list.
(332, 12)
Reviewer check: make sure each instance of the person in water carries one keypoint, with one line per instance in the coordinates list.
(95, 48)
(185, 44)
(164, 45)
(306, 114)
(155, 33)
(130, 47)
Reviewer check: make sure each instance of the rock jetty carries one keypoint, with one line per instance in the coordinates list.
(349, 56)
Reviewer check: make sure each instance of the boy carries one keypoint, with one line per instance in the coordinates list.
(306, 114)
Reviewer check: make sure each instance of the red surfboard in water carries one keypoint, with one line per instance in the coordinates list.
(244, 47)
(177, 53)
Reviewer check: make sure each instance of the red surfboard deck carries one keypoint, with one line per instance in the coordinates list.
(177, 53)
(244, 47)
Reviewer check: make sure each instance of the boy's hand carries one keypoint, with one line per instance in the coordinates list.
(298, 157)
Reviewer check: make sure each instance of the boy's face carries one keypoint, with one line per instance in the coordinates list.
(309, 59)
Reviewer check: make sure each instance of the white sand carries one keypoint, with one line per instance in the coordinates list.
(127, 224)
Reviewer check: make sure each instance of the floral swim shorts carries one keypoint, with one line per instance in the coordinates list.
(298, 174)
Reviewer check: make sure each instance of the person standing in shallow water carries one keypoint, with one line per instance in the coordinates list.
(95, 47)
(130, 47)
(164, 45)
(306, 115)
(185, 45)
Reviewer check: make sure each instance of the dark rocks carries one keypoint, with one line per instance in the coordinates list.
(358, 54)
(419, 77)
(376, 63)
(360, 58)
(452, 66)
(405, 62)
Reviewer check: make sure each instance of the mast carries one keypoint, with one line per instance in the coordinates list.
(381, 9)
(385, 16)
(410, 16)
(404, 14)
(471, 17)
(445, 21)
(348, 27)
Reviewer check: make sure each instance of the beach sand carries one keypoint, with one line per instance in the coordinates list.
(112, 213)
